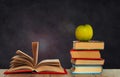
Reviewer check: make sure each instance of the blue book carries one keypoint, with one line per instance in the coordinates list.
(86, 69)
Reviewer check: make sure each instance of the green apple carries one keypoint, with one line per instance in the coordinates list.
(84, 32)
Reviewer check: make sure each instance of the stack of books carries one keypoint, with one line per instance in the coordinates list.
(86, 57)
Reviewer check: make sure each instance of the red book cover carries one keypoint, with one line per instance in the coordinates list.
(33, 72)
(85, 50)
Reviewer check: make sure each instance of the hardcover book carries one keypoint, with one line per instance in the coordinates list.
(88, 54)
(88, 61)
(86, 69)
(23, 63)
(92, 44)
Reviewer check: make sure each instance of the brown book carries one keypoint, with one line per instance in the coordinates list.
(85, 54)
(87, 61)
(92, 44)
(23, 63)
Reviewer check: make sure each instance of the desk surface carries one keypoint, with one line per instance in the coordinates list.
(105, 73)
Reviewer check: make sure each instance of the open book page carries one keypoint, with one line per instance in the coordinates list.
(35, 47)
(21, 60)
(24, 55)
(21, 68)
(50, 68)
(49, 62)
(50, 65)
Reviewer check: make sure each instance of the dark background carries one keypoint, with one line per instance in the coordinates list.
(53, 22)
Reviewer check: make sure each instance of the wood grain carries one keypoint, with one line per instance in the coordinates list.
(106, 73)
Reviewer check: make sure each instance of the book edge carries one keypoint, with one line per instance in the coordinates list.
(34, 72)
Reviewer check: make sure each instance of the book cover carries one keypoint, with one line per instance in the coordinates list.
(34, 72)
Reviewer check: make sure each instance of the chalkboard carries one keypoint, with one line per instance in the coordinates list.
(53, 22)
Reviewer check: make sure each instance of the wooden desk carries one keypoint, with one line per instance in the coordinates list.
(106, 73)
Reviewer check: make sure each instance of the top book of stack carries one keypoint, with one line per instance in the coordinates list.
(90, 45)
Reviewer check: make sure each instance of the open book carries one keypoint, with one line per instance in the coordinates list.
(23, 63)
